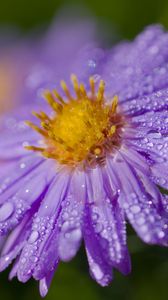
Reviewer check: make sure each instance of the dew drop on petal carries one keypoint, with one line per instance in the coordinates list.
(97, 271)
(161, 234)
(6, 211)
(140, 220)
(33, 237)
(34, 258)
(75, 235)
(98, 227)
(135, 209)
(144, 228)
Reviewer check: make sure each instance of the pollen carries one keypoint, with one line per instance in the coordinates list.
(82, 130)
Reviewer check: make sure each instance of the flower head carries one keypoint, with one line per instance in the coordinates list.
(83, 130)
(94, 162)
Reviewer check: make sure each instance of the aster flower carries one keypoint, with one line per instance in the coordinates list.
(90, 160)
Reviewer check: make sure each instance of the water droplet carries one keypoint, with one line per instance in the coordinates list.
(144, 228)
(23, 260)
(6, 258)
(135, 209)
(162, 181)
(98, 227)
(22, 166)
(34, 258)
(97, 271)
(33, 237)
(65, 226)
(6, 211)
(74, 213)
(140, 220)
(65, 215)
(161, 234)
(74, 235)
(91, 63)
(95, 216)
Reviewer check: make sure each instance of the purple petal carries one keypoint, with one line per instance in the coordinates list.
(157, 101)
(108, 221)
(160, 174)
(144, 212)
(42, 229)
(143, 170)
(2, 242)
(152, 122)
(15, 242)
(153, 143)
(71, 218)
(21, 168)
(13, 272)
(45, 283)
(100, 270)
(17, 202)
(143, 63)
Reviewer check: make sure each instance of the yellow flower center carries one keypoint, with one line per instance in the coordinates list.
(83, 129)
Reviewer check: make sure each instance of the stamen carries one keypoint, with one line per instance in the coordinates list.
(46, 126)
(51, 101)
(92, 86)
(57, 95)
(75, 85)
(42, 116)
(66, 90)
(36, 128)
(33, 148)
(100, 94)
(114, 104)
(82, 90)
(97, 151)
(112, 130)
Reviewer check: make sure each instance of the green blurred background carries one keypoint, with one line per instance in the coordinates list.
(149, 277)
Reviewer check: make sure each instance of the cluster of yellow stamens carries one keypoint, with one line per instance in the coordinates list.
(82, 130)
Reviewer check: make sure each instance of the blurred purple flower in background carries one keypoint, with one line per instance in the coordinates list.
(26, 64)
(17, 57)
(96, 160)
(10, 79)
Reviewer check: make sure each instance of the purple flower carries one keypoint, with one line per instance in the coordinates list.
(97, 157)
